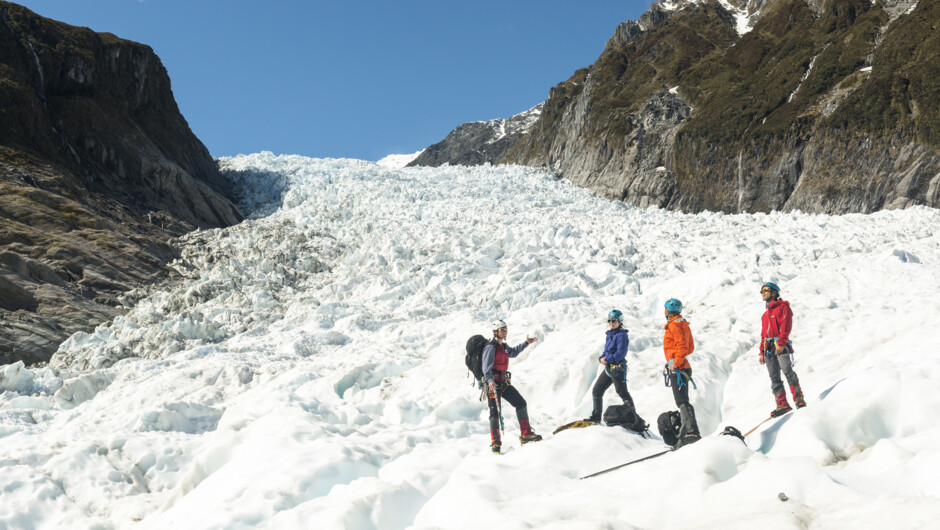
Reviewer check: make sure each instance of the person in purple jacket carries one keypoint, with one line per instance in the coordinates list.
(614, 360)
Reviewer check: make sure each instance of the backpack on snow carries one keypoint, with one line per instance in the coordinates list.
(669, 424)
(474, 358)
(626, 417)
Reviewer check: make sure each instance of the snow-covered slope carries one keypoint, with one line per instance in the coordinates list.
(397, 161)
(307, 371)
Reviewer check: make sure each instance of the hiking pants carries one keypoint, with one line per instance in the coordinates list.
(686, 412)
(514, 398)
(602, 384)
(777, 363)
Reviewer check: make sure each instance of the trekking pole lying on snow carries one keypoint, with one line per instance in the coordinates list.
(627, 464)
(729, 431)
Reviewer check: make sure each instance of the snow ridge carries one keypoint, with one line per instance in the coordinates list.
(745, 20)
(518, 123)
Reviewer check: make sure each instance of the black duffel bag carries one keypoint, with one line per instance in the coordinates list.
(669, 424)
(626, 417)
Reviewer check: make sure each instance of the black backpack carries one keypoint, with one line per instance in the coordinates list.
(626, 417)
(669, 424)
(474, 358)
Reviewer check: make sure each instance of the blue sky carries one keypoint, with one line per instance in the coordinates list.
(352, 78)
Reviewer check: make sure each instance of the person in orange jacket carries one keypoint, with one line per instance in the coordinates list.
(677, 345)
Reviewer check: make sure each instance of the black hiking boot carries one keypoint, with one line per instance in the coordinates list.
(530, 437)
(690, 438)
(495, 447)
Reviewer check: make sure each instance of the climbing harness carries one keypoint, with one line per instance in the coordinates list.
(682, 378)
(619, 368)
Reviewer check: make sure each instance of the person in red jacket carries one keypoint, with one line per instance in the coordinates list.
(496, 355)
(677, 344)
(776, 350)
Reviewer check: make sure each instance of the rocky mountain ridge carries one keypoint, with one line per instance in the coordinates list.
(751, 106)
(478, 142)
(98, 172)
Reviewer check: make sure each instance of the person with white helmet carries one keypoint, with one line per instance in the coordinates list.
(677, 345)
(776, 350)
(496, 355)
(614, 360)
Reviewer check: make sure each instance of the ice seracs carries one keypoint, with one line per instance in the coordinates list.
(307, 364)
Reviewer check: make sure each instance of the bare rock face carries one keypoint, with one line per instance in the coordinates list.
(753, 105)
(98, 172)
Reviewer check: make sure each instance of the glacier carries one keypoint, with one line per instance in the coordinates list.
(305, 367)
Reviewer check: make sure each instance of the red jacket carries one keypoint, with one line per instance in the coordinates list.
(677, 342)
(776, 323)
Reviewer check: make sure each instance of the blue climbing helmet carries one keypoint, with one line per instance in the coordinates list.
(616, 314)
(673, 305)
(772, 285)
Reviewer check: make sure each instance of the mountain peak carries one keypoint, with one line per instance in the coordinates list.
(745, 12)
(479, 142)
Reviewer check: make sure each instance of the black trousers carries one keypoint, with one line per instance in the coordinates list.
(602, 384)
(514, 398)
(681, 395)
(686, 412)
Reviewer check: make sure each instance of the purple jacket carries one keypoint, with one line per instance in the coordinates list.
(615, 348)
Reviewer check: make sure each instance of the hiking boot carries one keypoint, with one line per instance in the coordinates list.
(798, 396)
(495, 447)
(529, 437)
(593, 419)
(527, 434)
(690, 438)
(782, 406)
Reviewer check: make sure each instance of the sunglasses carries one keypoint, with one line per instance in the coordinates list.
(612, 320)
(765, 290)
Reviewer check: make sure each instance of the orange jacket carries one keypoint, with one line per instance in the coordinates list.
(677, 343)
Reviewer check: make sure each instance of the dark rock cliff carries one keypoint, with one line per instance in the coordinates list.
(98, 171)
(829, 106)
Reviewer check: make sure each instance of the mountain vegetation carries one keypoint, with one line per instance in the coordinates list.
(822, 106)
